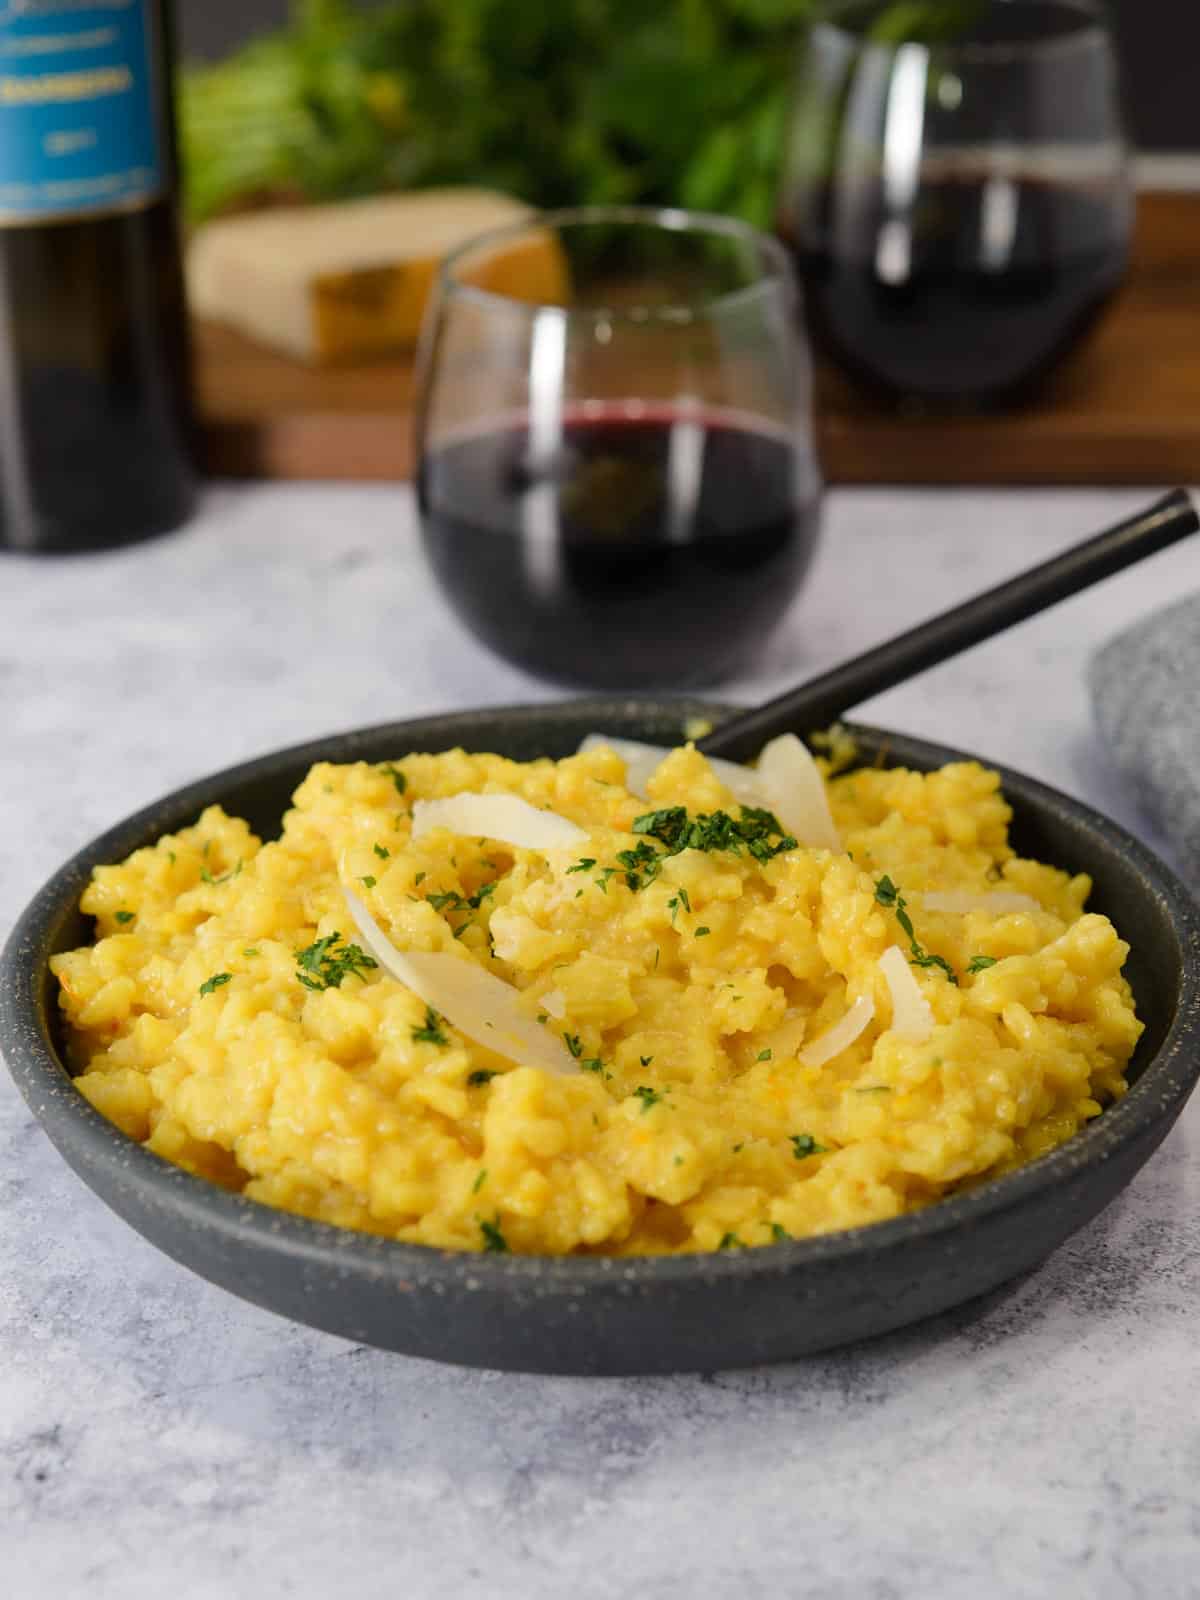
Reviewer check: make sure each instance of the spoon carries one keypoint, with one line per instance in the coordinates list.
(825, 698)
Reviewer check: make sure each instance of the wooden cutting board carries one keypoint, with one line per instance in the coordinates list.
(1125, 408)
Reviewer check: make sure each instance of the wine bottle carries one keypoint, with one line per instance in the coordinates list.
(95, 428)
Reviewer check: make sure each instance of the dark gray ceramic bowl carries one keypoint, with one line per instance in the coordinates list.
(543, 1314)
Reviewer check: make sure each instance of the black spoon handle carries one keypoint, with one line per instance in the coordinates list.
(824, 699)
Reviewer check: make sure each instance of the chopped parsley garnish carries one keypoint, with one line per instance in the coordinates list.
(381, 851)
(730, 1241)
(397, 777)
(668, 825)
(778, 1232)
(430, 1032)
(642, 864)
(250, 951)
(586, 863)
(594, 1064)
(573, 1044)
(207, 877)
(756, 830)
(419, 879)
(702, 933)
(322, 966)
(648, 1097)
(889, 896)
(886, 893)
(763, 1055)
(479, 1181)
(367, 881)
(645, 1060)
(677, 900)
(979, 963)
(494, 1241)
(481, 1076)
(803, 1144)
(211, 985)
(451, 900)
(124, 916)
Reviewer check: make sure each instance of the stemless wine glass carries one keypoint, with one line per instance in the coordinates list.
(957, 191)
(616, 475)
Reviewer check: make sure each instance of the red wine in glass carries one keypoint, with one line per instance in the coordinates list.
(616, 476)
(954, 325)
(650, 546)
(957, 201)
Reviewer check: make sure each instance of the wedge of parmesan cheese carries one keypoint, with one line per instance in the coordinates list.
(505, 817)
(340, 282)
(842, 1035)
(912, 1017)
(471, 999)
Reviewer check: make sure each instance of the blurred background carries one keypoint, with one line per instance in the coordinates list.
(1158, 41)
(956, 249)
(981, 264)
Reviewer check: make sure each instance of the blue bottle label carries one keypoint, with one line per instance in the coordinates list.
(79, 128)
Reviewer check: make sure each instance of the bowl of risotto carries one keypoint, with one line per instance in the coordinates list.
(530, 1038)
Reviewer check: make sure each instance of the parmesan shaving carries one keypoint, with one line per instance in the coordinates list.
(911, 1014)
(505, 817)
(996, 903)
(643, 760)
(471, 999)
(842, 1035)
(795, 792)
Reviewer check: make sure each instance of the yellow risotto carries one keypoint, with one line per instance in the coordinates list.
(720, 1036)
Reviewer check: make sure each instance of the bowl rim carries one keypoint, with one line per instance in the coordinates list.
(73, 1123)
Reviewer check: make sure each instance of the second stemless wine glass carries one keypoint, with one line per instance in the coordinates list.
(957, 191)
(616, 475)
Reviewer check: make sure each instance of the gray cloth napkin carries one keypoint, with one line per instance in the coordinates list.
(1145, 687)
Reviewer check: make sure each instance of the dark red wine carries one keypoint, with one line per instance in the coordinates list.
(970, 297)
(651, 550)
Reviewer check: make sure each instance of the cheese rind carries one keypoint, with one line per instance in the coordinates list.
(343, 282)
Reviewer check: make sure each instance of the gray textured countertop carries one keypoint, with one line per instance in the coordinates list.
(161, 1439)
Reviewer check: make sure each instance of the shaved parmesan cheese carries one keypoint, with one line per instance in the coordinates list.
(795, 792)
(471, 999)
(997, 903)
(911, 1015)
(642, 760)
(842, 1035)
(505, 817)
